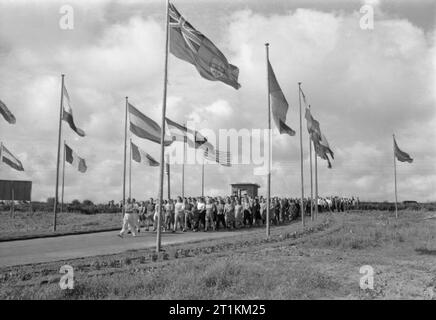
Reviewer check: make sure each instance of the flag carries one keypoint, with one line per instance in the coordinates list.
(180, 133)
(312, 125)
(278, 103)
(6, 113)
(322, 149)
(72, 158)
(304, 97)
(401, 155)
(190, 45)
(8, 158)
(223, 158)
(144, 127)
(67, 114)
(142, 157)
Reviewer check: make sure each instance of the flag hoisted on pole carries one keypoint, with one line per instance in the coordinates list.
(6, 113)
(8, 158)
(141, 156)
(162, 136)
(192, 46)
(402, 157)
(301, 158)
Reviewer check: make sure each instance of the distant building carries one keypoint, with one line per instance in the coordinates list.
(241, 189)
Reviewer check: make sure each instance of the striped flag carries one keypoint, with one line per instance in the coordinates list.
(190, 45)
(401, 155)
(144, 127)
(7, 157)
(223, 158)
(180, 133)
(67, 114)
(279, 104)
(6, 113)
(72, 158)
(142, 157)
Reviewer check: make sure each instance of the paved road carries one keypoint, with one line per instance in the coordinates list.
(77, 246)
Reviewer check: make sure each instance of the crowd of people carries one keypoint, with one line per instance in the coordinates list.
(214, 213)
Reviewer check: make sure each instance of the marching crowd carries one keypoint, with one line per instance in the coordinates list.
(214, 213)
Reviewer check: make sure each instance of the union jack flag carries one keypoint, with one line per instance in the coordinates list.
(192, 37)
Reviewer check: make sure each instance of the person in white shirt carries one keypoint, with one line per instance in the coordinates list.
(179, 214)
(129, 221)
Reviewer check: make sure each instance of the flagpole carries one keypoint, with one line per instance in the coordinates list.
(125, 154)
(202, 179)
(183, 166)
(268, 192)
(59, 153)
(301, 158)
(311, 177)
(168, 177)
(63, 180)
(162, 137)
(130, 170)
(316, 185)
(395, 178)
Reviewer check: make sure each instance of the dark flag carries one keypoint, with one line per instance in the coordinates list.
(72, 158)
(279, 105)
(6, 113)
(190, 45)
(401, 155)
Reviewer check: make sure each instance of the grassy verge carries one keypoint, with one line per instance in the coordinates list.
(25, 224)
(321, 262)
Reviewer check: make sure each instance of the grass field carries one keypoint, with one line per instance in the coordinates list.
(321, 262)
(25, 224)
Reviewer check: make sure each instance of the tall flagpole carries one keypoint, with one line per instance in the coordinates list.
(162, 137)
(130, 170)
(183, 166)
(125, 154)
(61, 108)
(168, 176)
(316, 185)
(301, 158)
(63, 180)
(202, 179)
(395, 177)
(311, 177)
(268, 192)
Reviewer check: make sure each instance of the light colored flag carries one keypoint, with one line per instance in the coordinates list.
(142, 157)
(67, 113)
(279, 104)
(144, 127)
(180, 133)
(76, 161)
(7, 157)
(190, 45)
(6, 113)
(401, 155)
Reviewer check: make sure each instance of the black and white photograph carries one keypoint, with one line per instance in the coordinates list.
(215, 155)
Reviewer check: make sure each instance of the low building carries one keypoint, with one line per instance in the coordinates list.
(241, 189)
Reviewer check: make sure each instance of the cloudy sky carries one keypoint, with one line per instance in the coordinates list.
(363, 86)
